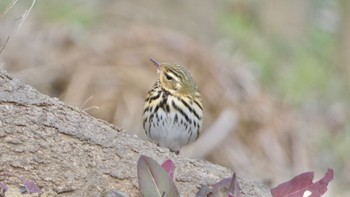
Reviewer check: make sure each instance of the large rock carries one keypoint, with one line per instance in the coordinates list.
(66, 152)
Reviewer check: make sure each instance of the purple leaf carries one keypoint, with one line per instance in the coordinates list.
(3, 188)
(233, 190)
(226, 187)
(220, 188)
(153, 180)
(301, 184)
(30, 186)
(169, 167)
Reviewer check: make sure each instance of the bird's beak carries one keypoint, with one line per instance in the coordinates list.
(156, 63)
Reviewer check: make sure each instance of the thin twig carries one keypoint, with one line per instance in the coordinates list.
(85, 102)
(25, 15)
(6, 41)
(9, 7)
(92, 107)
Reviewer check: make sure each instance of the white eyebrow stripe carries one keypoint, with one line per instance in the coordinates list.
(171, 74)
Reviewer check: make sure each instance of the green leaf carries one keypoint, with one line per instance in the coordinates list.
(153, 179)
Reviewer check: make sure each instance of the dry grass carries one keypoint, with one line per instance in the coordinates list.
(22, 20)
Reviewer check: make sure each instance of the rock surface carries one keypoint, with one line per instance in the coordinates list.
(66, 152)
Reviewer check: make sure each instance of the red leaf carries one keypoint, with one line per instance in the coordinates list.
(320, 187)
(299, 185)
(169, 167)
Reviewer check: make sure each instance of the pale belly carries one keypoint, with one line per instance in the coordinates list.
(172, 130)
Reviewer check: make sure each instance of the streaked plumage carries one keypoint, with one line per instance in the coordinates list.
(173, 111)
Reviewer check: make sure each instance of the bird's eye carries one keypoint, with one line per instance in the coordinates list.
(168, 77)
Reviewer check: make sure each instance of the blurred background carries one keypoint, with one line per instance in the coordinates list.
(274, 75)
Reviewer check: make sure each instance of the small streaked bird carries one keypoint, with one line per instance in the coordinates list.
(173, 111)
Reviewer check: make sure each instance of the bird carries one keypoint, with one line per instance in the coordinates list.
(173, 109)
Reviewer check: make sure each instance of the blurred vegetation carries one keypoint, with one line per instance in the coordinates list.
(69, 13)
(294, 48)
(305, 71)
